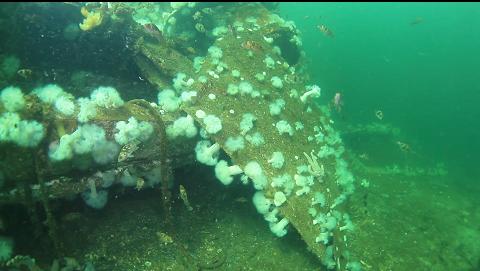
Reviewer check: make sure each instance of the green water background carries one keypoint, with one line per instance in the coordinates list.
(424, 76)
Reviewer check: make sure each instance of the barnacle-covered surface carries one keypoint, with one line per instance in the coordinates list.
(245, 51)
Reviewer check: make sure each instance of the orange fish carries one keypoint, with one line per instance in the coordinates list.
(325, 30)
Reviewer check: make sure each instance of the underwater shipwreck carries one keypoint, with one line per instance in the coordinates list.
(138, 107)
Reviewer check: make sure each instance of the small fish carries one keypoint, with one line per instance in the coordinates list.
(25, 73)
(338, 101)
(403, 146)
(164, 238)
(152, 30)
(184, 197)
(325, 30)
(251, 45)
(126, 152)
(140, 184)
(379, 114)
(232, 30)
(241, 200)
(416, 21)
(72, 217)
(364, 156)
(191, 50)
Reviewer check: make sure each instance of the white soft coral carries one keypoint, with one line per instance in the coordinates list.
(132, 130)
(12, 99)
(107, 97)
